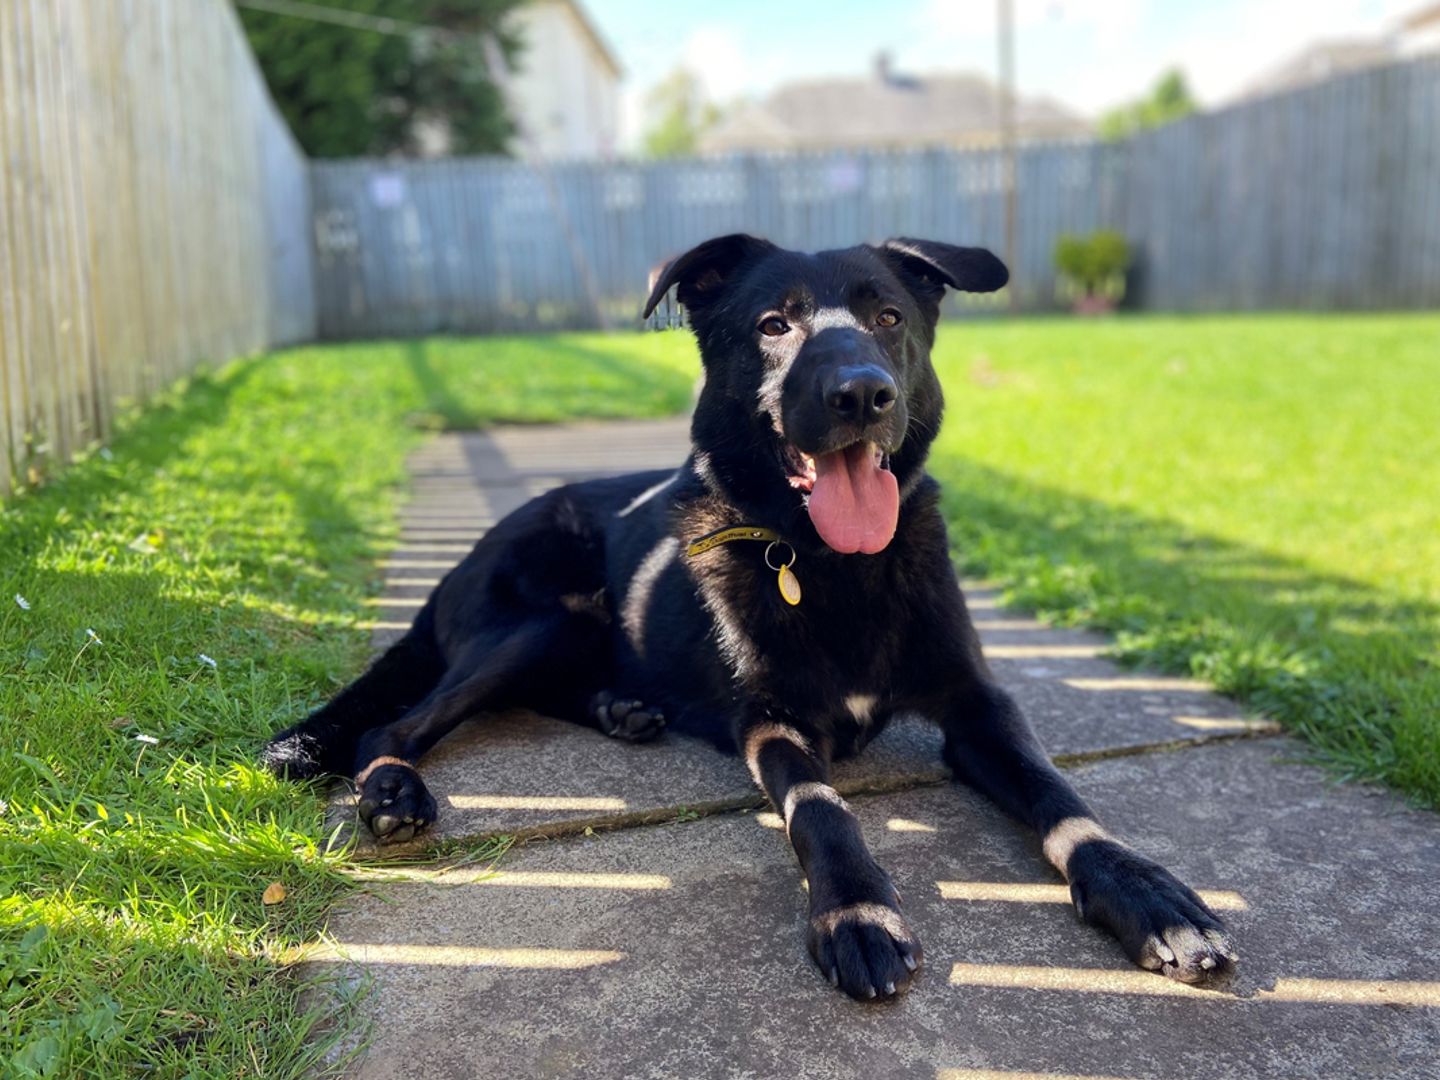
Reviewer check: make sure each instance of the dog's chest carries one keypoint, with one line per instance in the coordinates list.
(835, 653)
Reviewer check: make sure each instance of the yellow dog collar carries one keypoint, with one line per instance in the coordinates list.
(786, 581)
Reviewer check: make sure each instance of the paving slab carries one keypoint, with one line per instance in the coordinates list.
(677, 950)
(521, 774)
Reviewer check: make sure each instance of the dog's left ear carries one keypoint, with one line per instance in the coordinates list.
(702, 270)
(930, 266)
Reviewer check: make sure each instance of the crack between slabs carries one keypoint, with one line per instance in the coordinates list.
(684, 813)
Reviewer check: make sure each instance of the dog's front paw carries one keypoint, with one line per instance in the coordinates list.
(1160, 922)
(865, 949)
(626, 718)
(394, 803)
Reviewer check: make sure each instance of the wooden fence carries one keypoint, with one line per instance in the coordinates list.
(1327, 197)
(154, 212)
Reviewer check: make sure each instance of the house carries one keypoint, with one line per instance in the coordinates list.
(885, 110)
(1320, 61)
(1419, 32)
(1415, 34)
(565, 91)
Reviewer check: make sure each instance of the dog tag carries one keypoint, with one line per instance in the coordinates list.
(789, 587)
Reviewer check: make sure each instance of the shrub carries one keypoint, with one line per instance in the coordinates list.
(1093, 265)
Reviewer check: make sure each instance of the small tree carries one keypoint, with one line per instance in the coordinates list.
(347, 91)
(1168, 100)
(1092, 269)
(679, 115)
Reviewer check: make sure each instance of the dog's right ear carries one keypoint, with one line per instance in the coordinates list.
(701, 272)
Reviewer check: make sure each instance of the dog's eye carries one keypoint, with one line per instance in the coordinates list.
(887, 318)
(774, 327)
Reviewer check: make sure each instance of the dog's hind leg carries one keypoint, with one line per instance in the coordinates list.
(325, 741)
(500, 670)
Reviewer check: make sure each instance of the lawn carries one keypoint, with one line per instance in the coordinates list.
(165, 604)
(1252, 500)
(1249, 499)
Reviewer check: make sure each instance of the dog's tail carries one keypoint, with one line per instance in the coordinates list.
(325, 741)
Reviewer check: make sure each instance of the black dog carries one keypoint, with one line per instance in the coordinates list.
(785, 592)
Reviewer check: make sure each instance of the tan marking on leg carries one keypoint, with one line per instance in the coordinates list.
(760, 734)
(383, 759)
(811, 792)
(1063, 839)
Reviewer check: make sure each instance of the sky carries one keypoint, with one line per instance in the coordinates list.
(1088, 54)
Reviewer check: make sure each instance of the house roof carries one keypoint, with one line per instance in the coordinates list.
(1321, 61)
(1421, 17)
(885, 109)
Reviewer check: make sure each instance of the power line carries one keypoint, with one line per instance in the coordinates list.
(354, 20)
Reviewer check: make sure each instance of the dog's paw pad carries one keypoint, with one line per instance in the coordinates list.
(395, 804)
(866, 950)
(626, 718)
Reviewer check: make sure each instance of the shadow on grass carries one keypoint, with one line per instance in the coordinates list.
(455, 413)
(1347, 665)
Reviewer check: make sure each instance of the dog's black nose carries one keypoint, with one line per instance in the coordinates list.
(861, 394)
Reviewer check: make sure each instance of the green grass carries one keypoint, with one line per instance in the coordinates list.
(240, 519)
(1252, 500)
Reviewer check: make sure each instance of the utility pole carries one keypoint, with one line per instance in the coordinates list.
(1006, 41)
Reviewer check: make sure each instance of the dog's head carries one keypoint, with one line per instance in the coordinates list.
(819, 395)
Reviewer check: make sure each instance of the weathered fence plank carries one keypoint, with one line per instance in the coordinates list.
(154, 213)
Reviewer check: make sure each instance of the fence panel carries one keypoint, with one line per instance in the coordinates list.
(154, 213)
(1325, 197)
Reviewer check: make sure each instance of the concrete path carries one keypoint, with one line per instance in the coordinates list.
(674, 947)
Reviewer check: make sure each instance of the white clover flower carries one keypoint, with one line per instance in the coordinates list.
(148, 740)
(206, 660)
(21, 602)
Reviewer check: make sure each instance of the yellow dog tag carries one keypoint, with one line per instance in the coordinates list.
(789, 584)
(789, 587)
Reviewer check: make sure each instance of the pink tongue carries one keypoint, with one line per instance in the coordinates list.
(854, 504)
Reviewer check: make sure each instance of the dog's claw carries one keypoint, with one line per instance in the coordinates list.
(910, 962)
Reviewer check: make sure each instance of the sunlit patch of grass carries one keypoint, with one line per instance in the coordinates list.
(1250, 500)
(164, 605)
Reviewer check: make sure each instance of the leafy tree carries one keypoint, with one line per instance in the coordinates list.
(1168, 100)
(679, 113)
(348, 92)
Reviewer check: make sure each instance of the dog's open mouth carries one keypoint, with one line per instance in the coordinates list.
(854, 500)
